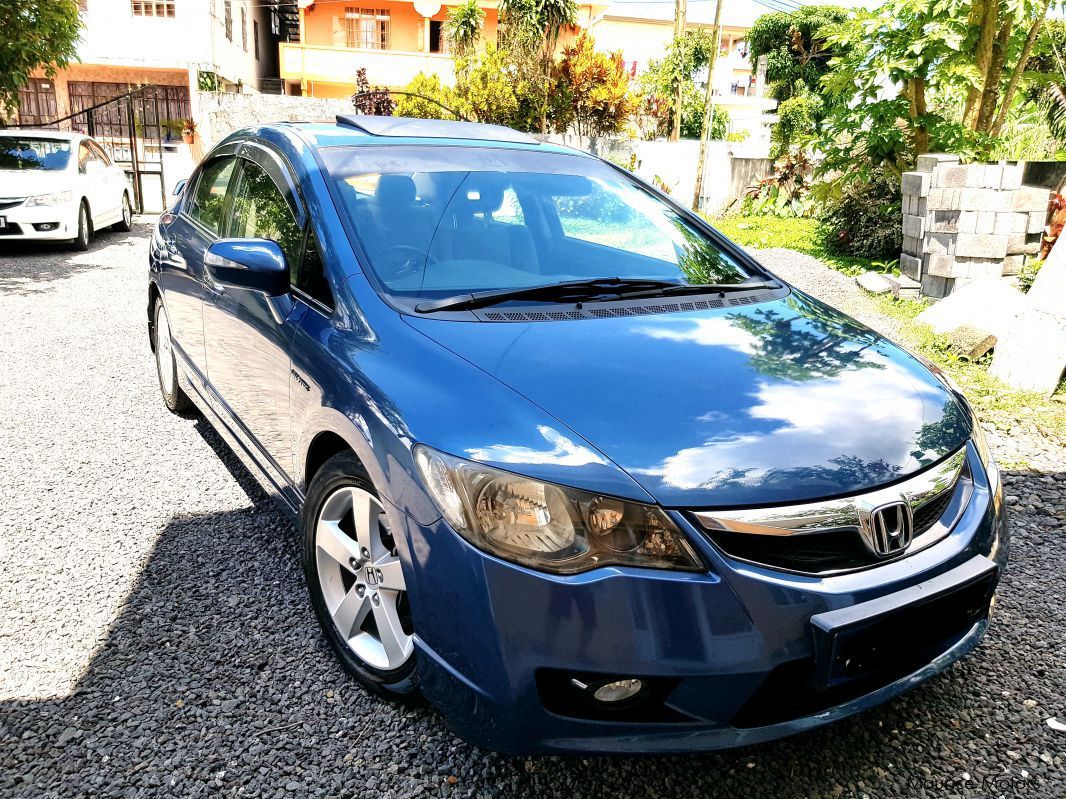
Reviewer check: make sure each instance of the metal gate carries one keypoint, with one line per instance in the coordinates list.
(133, 127)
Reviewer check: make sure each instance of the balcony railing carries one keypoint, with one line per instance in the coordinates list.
(392, 68)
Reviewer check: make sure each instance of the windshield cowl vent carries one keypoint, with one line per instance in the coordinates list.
(601, 310)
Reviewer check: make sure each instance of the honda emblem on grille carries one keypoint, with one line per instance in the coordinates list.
(891, 528)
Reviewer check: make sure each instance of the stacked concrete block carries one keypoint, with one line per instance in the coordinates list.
(965, 222)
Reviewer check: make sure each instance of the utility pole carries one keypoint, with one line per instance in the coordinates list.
(708, 106)
(680, 9)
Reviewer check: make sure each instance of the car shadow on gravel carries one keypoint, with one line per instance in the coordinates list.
(29, 267)
(214, 679)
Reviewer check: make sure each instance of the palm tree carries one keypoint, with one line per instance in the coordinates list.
(463, 28)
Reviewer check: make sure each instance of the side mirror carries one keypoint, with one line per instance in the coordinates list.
(251, 264)
(179, 187)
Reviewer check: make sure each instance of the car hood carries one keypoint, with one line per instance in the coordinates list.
(784, 401)
(28, 182)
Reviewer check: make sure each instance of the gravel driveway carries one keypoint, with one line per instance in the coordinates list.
(156, 638)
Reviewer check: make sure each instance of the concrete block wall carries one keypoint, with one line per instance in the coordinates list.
(964, 222)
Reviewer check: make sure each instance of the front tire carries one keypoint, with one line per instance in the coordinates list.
(166, 364)
(355, 579)
(126, 223)
(81, 242)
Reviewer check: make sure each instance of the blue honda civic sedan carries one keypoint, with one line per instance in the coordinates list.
(566, 462)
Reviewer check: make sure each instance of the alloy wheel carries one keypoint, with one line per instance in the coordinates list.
(361, 580)
(127, 212)
(164, 352)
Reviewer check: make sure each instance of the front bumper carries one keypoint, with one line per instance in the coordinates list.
(40, 223)
(728, 650)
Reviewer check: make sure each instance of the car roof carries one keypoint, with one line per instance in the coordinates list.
(358, 130)
(42, 133)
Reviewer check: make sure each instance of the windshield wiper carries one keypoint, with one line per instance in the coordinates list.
(752, 283)
(549, 291)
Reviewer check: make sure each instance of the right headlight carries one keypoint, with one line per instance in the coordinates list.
(549, 527)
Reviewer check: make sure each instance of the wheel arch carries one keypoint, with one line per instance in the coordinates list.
(323, 446)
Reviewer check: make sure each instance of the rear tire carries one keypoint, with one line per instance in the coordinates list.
(166, 364)
(81, 242)
(125, 224)
(355, 580)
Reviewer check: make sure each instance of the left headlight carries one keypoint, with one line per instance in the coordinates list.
(550, 527)
(59, 198)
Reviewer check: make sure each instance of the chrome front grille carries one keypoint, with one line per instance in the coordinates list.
(839, 535)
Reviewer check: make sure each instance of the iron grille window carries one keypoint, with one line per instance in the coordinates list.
(113, 121)
(366, 28)
(227, 18)
(153, 8)
(244, 30)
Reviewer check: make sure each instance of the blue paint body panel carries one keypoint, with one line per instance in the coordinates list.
(781, 401)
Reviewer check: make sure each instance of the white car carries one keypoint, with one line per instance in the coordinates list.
(59, 186)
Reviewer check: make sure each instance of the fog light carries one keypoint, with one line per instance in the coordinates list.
(618, 691)
(43, 226)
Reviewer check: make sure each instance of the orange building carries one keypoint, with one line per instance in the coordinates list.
(393, 40)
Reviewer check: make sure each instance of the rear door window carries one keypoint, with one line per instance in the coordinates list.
(209, 199)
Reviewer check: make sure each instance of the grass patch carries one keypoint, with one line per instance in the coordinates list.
(793, 233)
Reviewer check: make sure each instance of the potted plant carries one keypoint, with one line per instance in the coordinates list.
(188, 131)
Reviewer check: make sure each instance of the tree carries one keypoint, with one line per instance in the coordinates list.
(463, 28)
(1047, 69)
(798, 52)
(531, 34)
(915, 76)
(658, 85)
(34, 34)
(591, 91)
(796, 47)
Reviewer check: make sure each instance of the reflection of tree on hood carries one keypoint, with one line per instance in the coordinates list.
(846, 470)
(936, 438)
(822, 344)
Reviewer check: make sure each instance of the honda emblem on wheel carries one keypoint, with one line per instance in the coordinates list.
(371, 576)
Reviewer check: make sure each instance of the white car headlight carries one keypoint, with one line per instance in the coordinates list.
(550, 527)
(58, 198)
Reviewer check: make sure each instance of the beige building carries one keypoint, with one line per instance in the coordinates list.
(170, 43)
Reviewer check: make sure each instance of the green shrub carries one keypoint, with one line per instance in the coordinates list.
(796, 117)
(1028, 274)
(864, 219)
(439, 103)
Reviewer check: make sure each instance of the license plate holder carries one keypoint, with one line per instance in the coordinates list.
(3, 222)
(901, 632)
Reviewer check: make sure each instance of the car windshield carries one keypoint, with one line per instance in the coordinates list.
(18, 153)
(442, 220)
